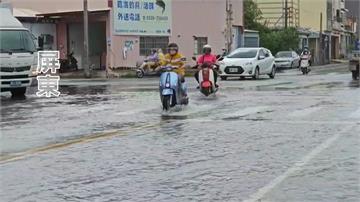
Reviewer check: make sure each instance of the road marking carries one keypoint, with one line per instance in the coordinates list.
(21, 155)
(257, 196)
(85, 139)
(248, 111)
(317, 122)
(304, 112)
(355, 114)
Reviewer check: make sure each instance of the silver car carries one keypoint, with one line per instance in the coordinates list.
(287, 59)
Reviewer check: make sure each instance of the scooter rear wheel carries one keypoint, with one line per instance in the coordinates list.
(304, 70)
(166, 102)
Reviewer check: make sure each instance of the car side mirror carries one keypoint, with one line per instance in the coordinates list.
(218, 56)
(261, 57)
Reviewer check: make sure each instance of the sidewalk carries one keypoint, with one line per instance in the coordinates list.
(340, 61)
(113, 74)
(99, 74)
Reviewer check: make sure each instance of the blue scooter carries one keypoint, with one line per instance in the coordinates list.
(172, 90)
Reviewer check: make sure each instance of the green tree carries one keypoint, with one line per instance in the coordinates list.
(252, 15)
(280, 40)
(275, 40)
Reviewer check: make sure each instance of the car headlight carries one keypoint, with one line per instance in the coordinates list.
(248, 63)
(33, 71)
(221, 63)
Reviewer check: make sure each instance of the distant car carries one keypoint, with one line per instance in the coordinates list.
(287, 59)
(248, 62)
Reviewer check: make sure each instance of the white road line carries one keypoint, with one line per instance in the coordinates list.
(297, 166)
(248, 111)
(304, 112)
(317, 122)
(355, 114)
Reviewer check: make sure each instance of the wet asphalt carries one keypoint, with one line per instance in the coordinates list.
(292, 138)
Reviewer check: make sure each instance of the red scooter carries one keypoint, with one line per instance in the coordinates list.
(207, 78)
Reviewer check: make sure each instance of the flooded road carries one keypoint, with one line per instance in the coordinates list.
(294, 138)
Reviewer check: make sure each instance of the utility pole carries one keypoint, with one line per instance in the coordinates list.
(228, 32)
(86, 41)
(320, 42)
(286, 14)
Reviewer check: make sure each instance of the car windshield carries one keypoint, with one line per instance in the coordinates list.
(283, 55)
(16, 41)
(243, 53)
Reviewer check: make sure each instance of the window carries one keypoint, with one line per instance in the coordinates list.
(16, 41)
(266, 52)
(283, 54)
(294, 54)
(338, 15)
(149, 42)
(243, 53)
(201, 42)
(261, 53)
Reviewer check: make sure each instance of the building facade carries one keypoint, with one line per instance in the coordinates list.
(353, 6)
(305, 15)
(274, 12)
(194, 24)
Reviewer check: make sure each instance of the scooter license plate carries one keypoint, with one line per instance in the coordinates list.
(15, 83)
(233, 70)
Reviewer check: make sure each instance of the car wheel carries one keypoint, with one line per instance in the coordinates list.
(18, 92)
(256, 74)
(223, 78)
(272, 74)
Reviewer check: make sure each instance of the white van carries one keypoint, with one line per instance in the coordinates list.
(18, 54)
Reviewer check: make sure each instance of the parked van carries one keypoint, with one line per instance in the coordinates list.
(18, 54)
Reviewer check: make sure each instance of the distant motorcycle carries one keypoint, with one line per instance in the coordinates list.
(68, 64)
(354, 64)
(305, 64)
(141, 72)
(172, 90)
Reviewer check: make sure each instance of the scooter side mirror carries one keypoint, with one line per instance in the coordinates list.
(193, 58)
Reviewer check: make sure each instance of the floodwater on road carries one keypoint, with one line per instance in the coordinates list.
(294, 138)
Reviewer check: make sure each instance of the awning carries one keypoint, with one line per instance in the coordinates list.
(73, 12)
(25, 13)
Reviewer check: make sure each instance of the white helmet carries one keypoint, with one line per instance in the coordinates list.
(207, 48)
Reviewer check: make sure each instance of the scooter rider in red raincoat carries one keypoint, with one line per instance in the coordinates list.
(207, 58)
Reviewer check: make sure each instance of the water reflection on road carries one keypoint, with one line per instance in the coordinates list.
(223, 148)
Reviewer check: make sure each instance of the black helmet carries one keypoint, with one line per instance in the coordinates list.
(173, 46)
